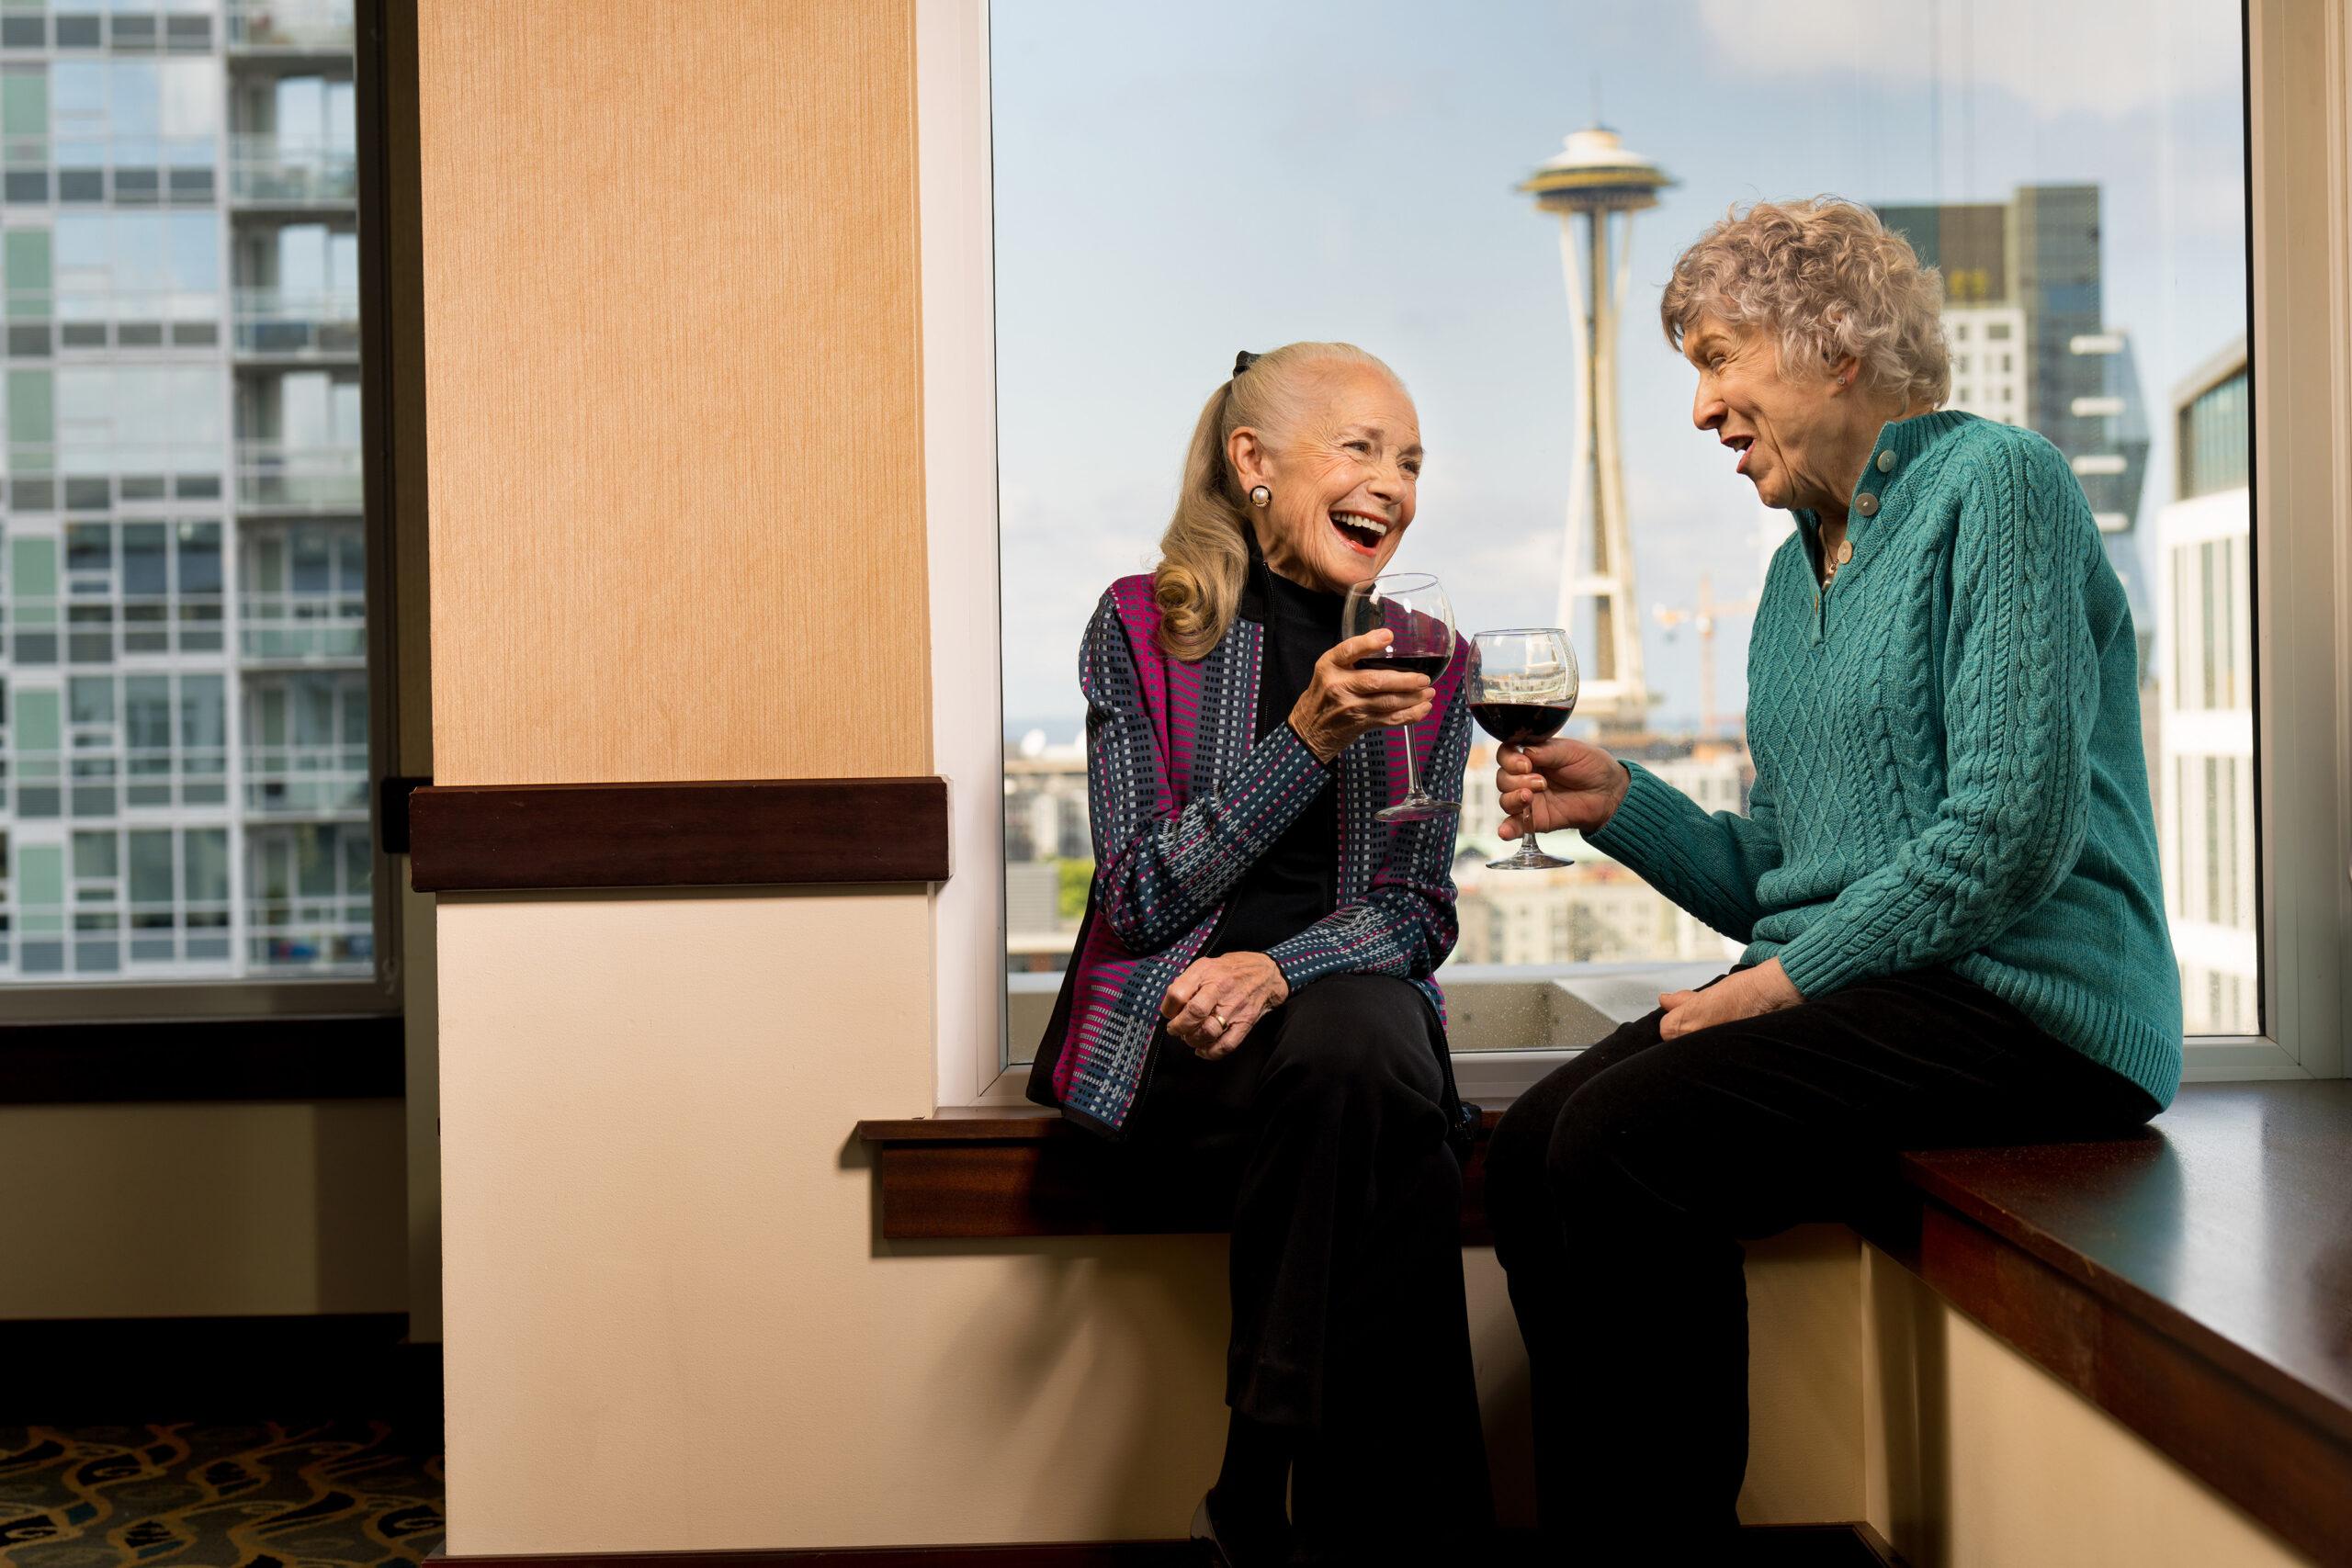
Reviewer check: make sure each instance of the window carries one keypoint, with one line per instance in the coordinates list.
(185, 758)
(2114, 275)
(1437, 267)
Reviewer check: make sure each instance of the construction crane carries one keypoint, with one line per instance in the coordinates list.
(1704, 615)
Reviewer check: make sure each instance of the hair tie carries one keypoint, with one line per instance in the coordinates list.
(1243, 360)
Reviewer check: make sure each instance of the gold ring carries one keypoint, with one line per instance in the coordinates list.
(1220, 1022)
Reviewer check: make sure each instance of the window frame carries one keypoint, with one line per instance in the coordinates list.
(2297, 60)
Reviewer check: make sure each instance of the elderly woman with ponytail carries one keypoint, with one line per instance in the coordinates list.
(1250, 1009)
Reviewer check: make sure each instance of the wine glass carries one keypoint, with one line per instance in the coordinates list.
(1523, 688)
(1412, 605)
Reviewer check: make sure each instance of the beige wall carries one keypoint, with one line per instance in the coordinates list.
(192, 1211)
(673, 385)
(1976, 1458)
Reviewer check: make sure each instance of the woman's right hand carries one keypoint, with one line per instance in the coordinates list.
(1344, 699)
(1560, 783)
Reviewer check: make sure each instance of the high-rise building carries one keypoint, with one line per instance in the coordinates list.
(2204, 658)
(1594, 178)
(183, 713)
(2030, 345)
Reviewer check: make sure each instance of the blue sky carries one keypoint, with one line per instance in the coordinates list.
(1175, 182)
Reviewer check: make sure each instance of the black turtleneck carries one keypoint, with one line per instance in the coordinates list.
(1290, 886)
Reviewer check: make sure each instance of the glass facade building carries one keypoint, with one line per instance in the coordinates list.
(2034, 261)
(184, 706)
(2216, 438)
(2206, 808)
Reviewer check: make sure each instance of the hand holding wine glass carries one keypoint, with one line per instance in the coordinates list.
(1412, 606)
(1559, 783)
(1522, 689)
(1355, 689)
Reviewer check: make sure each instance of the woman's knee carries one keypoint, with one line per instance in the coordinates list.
(1516, 1185)
(1361, 1035)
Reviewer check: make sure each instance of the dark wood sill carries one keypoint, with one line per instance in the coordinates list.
(358, 1056)
(2194, 1282)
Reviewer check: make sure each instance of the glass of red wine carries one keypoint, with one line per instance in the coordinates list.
(1522, 689)
(1412, 605)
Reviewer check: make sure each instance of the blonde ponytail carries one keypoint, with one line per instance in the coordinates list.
(1204, 554)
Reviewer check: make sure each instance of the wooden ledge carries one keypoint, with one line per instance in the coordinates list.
(998, 1174)
(697, 833)
(2194, 1282)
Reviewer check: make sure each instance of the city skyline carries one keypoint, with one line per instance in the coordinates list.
(1396, 227)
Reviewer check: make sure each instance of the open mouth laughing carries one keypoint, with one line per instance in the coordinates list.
(1740, 443)
(1360, 531)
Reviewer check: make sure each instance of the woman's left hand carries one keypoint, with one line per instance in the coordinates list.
(1213, 1004)
(1765, 989)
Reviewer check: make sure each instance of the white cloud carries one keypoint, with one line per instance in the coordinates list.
(2106, 57)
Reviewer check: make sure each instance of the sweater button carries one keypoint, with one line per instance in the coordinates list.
(1886, 462)
(1867, 505)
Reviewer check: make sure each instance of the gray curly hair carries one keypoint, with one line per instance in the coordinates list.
(1829, 281)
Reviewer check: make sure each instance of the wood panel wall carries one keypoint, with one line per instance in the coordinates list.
(673, 382)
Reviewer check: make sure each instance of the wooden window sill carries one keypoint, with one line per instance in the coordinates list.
(2193, 1281)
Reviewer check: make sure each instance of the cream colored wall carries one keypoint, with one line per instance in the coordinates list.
(668, 1322)
(1975, 1458)
(193, 1211)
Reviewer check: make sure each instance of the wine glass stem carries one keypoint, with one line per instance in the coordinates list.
(1412, 785)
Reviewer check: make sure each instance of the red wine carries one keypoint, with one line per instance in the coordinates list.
(1430, 664)
(1520, 724)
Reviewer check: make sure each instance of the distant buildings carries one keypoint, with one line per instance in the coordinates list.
(2030, 346)
(2204, 660)
(1596, 911)
(184, 686)
(1047, 828)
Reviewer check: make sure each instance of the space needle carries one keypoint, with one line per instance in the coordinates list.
(1594, 178)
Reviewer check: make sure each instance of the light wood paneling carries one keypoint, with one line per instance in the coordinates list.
(673, 374)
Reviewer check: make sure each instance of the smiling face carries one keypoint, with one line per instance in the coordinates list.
(1790, 433)
(1343, 479)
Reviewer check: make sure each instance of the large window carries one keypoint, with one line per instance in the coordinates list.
(185, 758)
(1166, 193)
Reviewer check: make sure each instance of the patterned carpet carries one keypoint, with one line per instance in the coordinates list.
(323, 1494)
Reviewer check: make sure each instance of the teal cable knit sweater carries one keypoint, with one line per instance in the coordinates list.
(1947, 756)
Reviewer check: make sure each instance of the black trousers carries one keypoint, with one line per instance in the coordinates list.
(1323, 1137)
(1620, 1187)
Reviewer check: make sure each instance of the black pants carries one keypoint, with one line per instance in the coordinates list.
(1620, 1187)
(1323, 1136)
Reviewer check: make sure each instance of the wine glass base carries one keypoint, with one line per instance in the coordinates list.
(1412, 810)
(1539, 861)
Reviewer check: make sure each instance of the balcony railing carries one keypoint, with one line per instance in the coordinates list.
(337, 937)
(305, 27)
(267, 169)
(298, 324)
(270, 473)
(306, 780)
(306, 627)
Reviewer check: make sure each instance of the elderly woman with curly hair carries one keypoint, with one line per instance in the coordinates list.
(1948, 879)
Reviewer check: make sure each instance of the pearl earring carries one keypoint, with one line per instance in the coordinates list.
(1260, 495)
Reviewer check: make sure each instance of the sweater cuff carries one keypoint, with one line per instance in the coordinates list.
(1650, 813)
(1817, 963)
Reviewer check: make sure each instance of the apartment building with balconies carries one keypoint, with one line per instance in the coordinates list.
(184, 707)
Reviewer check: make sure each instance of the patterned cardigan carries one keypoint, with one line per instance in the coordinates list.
(1184, 798)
